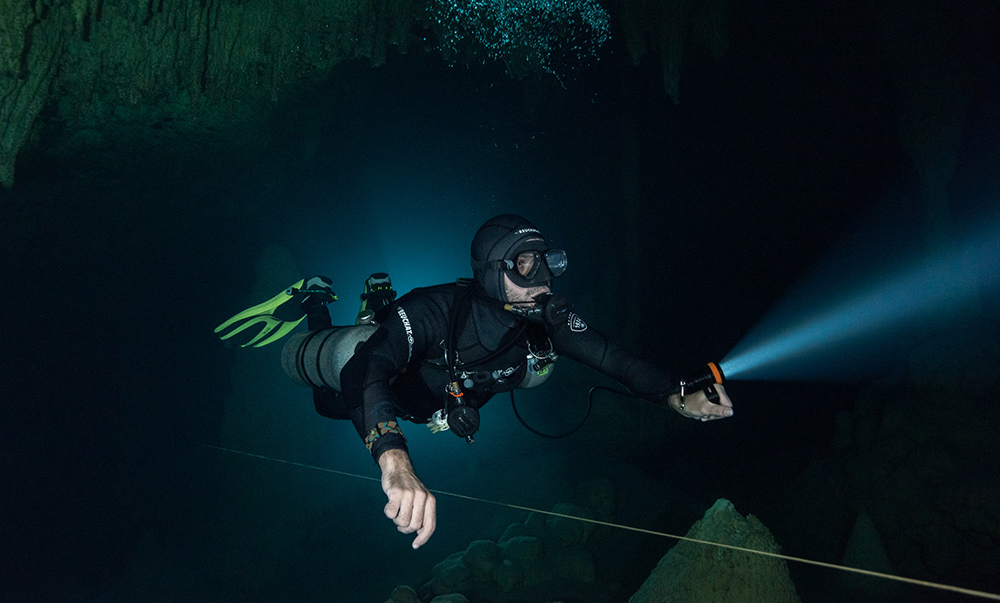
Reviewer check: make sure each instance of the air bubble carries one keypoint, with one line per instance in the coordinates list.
(553, 35)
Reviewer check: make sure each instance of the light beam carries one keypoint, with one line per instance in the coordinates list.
(820, 333)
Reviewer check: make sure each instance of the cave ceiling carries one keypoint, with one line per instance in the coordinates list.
(109, 75)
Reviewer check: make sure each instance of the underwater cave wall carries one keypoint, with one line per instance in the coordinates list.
(114, 71)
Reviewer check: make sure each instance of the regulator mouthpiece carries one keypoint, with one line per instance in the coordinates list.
(534, 313)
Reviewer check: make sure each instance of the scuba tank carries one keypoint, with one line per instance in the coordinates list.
(315, 358)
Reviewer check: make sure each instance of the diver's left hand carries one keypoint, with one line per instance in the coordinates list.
(698, 406)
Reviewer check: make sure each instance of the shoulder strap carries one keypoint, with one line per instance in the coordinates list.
(451, 343)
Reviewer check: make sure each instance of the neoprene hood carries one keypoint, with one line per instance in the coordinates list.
(501, 238)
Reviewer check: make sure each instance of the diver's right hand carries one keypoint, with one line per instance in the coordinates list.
(411, 506)
(696, 405)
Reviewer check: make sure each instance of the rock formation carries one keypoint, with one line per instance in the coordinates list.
(692, 572)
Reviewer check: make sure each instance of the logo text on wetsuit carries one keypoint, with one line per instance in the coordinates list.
(575, 323)
(409, 332)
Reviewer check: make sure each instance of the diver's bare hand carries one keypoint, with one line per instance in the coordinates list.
(411, 506)
(698, 406)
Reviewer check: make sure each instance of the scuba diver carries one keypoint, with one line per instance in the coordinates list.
(438, 354)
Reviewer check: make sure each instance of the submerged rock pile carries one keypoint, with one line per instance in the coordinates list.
(543, 558)
(533, 560)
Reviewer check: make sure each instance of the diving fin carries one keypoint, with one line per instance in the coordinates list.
(280, 314)
(378, 295)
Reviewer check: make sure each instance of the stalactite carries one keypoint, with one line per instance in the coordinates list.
(661, 27)
(930, 122)
(657, 26)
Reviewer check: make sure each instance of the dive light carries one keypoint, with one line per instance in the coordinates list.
(704, 379)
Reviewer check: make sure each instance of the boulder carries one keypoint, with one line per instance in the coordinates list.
(514, 530)
(508, 575)
(451, 575)
(535, 524)
(403, 594)
(523, 549)
(571, 531)
(481, 557)
(599, 495)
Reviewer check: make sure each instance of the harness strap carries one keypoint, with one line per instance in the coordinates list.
(451, 344)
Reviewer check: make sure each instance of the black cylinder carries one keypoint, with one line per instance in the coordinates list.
(707, 376)
(315, 358)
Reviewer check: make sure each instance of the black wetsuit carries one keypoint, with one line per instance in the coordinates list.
(400, 371)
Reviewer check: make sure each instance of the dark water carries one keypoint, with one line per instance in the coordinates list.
(116, 270)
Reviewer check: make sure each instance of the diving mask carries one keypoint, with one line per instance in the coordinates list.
(531, 267)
